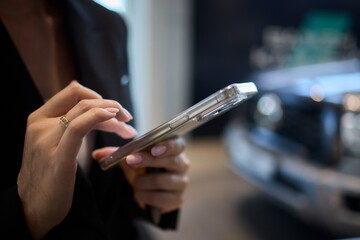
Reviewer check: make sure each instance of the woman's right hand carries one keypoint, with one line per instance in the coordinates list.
(47, 176)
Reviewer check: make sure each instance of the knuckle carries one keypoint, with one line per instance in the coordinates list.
(31, 118)
(181, 144)
(177, 145)
(185, 182)
(74, 128)
(182, 182)
(75, 87)
(74, 84)
(115, 103)
(183, 162)
(83, 105)
(176, 202)
(31, 127)
(186, 163)
(98, 113)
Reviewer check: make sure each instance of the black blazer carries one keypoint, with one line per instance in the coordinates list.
(103, 205)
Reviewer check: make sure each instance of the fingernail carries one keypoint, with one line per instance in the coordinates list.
(126, 131)
(127, 114)
(94, 154)
(131, 130)
(112, 110)
(133, 159)
(158, 150)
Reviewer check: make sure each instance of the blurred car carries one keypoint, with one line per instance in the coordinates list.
(298, 141)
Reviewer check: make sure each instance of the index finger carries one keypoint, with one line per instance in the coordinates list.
(66, 99)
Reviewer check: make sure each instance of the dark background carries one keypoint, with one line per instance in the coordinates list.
(226, 31)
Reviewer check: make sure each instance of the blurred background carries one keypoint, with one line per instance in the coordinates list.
(283, 165)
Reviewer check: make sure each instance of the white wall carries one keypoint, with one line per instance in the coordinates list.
(160, 58)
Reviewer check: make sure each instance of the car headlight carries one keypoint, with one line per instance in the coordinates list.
(350, 125)
(269, 112)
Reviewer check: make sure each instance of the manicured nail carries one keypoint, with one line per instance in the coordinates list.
(130, 131)
(128, 114)
(95, 153)
(158, 150)
(133, 159)
(112, 110)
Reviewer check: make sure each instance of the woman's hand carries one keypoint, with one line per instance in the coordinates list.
(164, 190)
(47, 175)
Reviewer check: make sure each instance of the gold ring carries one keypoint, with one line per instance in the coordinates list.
(64, 121)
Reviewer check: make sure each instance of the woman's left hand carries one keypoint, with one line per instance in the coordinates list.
(164, 189)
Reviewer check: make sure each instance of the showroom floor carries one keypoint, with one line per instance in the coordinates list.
(221, 206)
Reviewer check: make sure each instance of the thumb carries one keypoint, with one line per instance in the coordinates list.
(100, 153)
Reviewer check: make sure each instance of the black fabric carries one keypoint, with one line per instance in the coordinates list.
(16, 79)
(103, 206)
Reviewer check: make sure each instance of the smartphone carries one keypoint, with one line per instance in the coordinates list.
(211, 107)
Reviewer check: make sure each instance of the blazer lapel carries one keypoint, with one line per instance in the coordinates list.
(99, 49)
(86, 42)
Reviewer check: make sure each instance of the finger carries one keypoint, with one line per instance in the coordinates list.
(120, 128)
(87, 104)
(161, 181)
(66, 99)
(103, 152)
(166, 201)
(178, 164)
(112, 125)
(71, 140)
(168, 148)
(70, 96)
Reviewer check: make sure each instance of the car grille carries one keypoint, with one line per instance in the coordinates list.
(303, 124)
